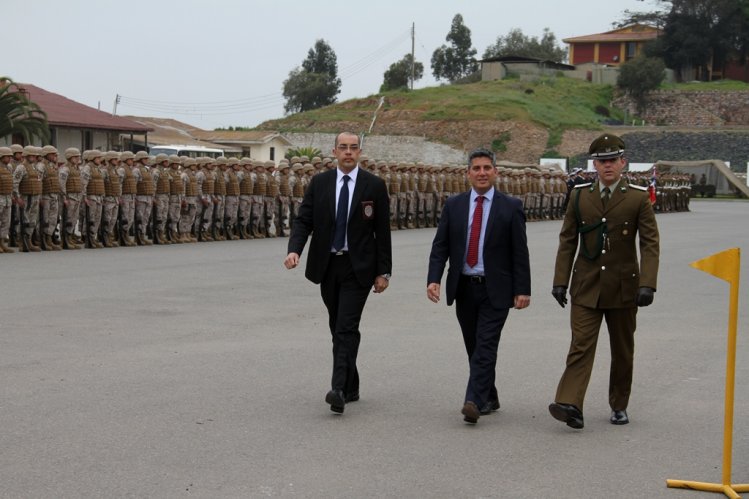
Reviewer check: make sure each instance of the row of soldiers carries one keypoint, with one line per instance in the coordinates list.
(105, 199)
(673, 190)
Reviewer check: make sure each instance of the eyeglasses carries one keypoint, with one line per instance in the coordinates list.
(346, 147)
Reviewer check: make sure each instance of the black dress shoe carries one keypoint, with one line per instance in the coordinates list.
(336, 400)
(352, 398)
(470, 412)
(568, 414)
(619, 417)
(489, 407)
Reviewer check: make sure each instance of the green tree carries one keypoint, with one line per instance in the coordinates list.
(18, 114)
(457, 60)
(517, 44)
(399, 74)
(639, 76)
(316, 83)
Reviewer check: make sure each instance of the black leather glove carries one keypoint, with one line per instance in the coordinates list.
(560, 295)
(644, 296)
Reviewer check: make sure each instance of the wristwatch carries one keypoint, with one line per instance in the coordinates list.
(386, 277)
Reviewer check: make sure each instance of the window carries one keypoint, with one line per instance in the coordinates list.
(631, 50)
(272, 153)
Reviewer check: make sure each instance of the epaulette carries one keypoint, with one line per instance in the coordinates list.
(583, 185)
(638, 187)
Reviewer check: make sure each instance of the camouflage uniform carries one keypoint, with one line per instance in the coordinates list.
(284, 200)
(112, 194)
(127, 200)
(176, 193)
(190, 200)
(71, 194)
(27, 186)
(246, 186)
(92, 183)
(6, 197)
(162, 185)
(145, 190)
(231, 204)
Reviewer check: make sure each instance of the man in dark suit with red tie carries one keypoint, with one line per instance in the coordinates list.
(347, 212)
(482, 233)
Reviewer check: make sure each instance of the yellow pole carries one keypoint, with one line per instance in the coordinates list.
(724, 265)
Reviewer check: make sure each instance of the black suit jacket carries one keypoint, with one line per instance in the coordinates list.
(506, 260)
(368, 233)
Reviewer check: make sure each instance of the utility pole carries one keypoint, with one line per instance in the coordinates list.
(116, 101)
(413, 54)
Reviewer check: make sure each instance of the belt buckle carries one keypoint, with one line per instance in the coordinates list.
(477, 279)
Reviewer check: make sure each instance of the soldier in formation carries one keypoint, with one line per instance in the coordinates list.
(110, 198)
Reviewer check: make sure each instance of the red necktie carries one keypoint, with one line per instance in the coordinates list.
(473, 242)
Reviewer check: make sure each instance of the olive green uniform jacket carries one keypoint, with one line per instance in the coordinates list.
(608, 277)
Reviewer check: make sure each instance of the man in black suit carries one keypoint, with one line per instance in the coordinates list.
(482, 233)
(350, 253)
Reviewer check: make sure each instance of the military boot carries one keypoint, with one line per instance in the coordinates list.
(28, 244)
(4, 247)
(49, 245)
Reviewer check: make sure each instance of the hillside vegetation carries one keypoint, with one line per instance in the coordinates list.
(554, 104)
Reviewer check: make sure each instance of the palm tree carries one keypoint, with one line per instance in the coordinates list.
(310, 152)
(18, 115)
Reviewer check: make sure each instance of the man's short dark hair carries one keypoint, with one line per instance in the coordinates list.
(482, 153)
(346, 133)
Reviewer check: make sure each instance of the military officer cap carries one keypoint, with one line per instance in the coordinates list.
(49, 150)
(140, 155)
(126, 155)
(606, 146)
(16, 148)
(71, 152)
(5, 151)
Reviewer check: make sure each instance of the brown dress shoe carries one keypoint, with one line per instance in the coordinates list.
(470, 412)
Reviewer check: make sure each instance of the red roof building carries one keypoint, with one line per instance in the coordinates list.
(73, 124)
(612, 47)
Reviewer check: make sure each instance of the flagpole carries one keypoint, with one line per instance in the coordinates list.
(725, 265)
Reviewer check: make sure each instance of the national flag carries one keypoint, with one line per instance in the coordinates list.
(651, 187)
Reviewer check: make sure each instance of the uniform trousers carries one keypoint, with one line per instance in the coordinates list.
(127, 210)
(586, 323)
(143, 207)
(111, 205)
(175, 209)
(71, 212)
(30, 214)
(6, 205)
(344, 297)
(51, 210)
(481, 324)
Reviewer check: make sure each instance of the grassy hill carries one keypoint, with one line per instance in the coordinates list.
(553, 104)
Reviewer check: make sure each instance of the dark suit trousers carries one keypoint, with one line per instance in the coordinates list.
(344, 298)
(481, 325)
(586, 323)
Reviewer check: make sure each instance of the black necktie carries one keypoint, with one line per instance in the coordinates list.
(606, 196)
(339, 239)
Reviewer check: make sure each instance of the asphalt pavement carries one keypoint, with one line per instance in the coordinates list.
(200, 370)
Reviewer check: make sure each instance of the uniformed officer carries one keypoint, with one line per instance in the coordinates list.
(49, 203)
(71, 194)
(92, 183)
(231, 203)
(602, 222)
(145, 190)
(162, 184)
(189, 201)
(246, 186)
(112, 194)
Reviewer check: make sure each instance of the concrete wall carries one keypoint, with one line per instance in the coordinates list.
(386, 147)
(692, 108)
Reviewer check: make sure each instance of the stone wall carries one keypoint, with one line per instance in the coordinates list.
(651, 146)
(692, 108)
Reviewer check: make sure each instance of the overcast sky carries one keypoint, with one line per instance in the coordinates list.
(223, 62)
